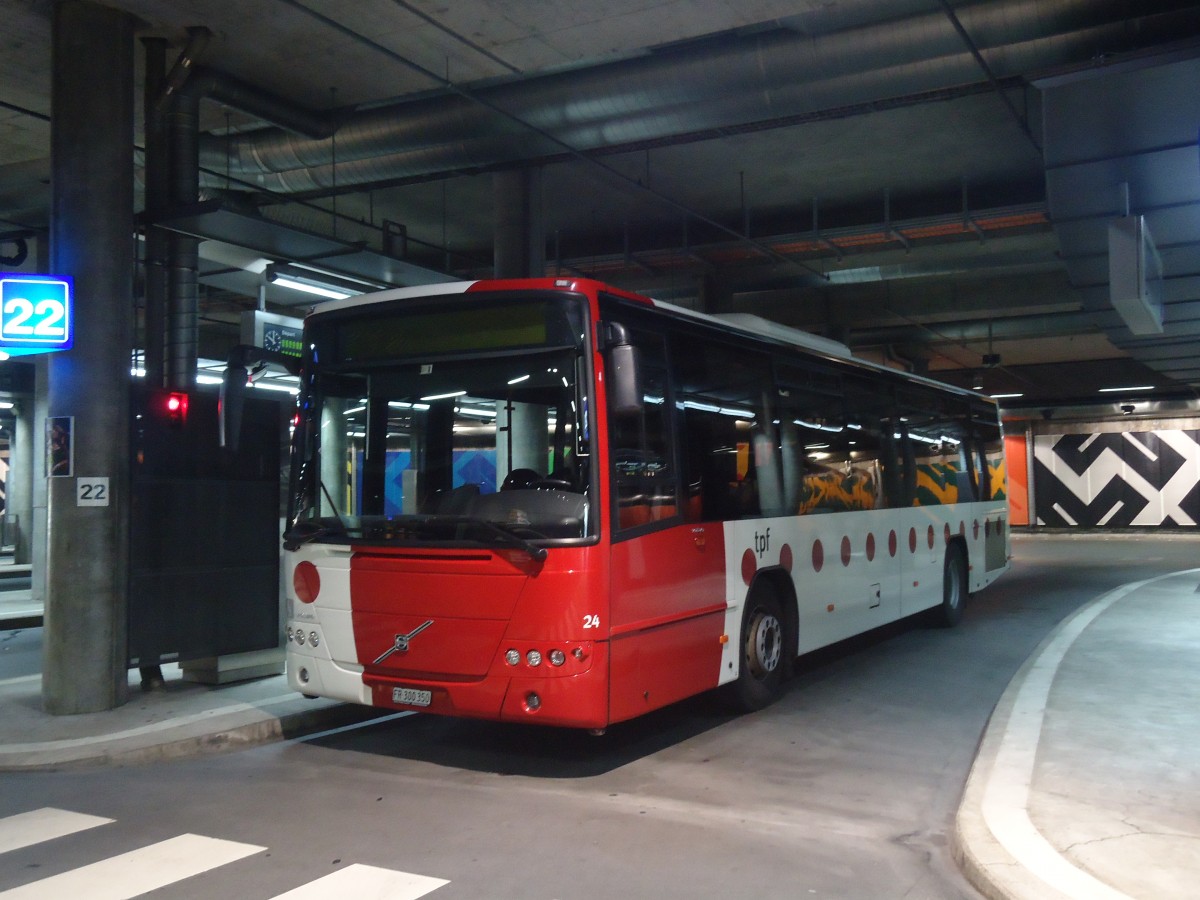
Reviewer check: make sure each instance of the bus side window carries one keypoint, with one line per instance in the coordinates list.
(832, 445)
(938, 441)
(989, 453)
(644, 479)
(731, 456)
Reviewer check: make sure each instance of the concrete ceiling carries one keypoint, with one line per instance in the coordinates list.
(928, 180)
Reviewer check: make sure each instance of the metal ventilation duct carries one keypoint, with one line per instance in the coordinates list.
(726, 82)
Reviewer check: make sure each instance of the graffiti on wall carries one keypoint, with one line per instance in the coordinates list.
(1118, 479)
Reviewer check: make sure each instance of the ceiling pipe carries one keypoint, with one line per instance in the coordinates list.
(235, 93)
(181, 71)
(725, 82)
(1009, 328)
(194, 82)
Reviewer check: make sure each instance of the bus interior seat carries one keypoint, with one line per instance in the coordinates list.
(519, 478)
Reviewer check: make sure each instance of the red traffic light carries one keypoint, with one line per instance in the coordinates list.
(177, 406)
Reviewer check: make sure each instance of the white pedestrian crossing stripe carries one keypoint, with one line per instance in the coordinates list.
(46, 824)
(138, 871)
(366, 883)
(188, 855)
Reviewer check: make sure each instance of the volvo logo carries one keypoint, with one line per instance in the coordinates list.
(401, 644)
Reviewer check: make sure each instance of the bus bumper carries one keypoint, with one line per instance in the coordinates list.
(573, 700)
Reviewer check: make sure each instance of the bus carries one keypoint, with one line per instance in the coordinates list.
(553, 501)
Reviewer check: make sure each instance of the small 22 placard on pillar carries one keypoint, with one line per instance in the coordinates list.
(92, 491)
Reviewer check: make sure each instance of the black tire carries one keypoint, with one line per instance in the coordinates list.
(765, 658)
(954, 589)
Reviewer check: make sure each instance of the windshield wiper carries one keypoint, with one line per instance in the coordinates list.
(536, 553)
(414, 523)
(303, 532)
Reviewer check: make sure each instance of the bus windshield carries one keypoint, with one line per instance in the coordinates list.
(464, 422)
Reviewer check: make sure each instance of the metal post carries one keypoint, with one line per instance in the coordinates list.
(19, 505)
(183, 289)
(157, 200)
(519, 239)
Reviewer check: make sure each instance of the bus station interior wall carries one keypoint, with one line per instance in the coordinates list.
(1116, 474)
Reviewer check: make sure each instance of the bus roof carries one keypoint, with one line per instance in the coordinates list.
(735, 323)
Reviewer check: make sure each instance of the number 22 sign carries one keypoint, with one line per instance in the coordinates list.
(35, 314)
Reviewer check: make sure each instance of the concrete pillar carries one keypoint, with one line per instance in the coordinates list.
(520, 231)
(92, 240)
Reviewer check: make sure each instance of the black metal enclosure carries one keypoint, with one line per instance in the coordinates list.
(204, 531)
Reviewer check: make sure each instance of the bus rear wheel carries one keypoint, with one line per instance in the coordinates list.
(954, 589)
(764, 654)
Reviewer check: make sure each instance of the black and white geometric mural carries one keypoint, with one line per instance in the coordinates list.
(1117, 479)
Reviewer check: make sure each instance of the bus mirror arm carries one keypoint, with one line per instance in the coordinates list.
(233, 388)
(624, 371)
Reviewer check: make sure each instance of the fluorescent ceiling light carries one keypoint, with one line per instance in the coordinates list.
(265, 386)
(1126, 390)
(835, 429)
(519, 379)
(445, 396)
(319, 290)
(314, 281)
(478, 413)
(1005, 396)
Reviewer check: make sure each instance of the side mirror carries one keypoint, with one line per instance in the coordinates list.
(231, 403)
(625, 396)
(233, 388)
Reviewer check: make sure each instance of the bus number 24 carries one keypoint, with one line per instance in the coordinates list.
(591, 621)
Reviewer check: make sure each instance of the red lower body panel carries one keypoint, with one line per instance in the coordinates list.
(662, 665)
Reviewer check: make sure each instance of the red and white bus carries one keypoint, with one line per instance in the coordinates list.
(556, 502)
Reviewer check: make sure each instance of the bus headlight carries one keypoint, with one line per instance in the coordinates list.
(534, 657)
(557, 657)
(512, 657)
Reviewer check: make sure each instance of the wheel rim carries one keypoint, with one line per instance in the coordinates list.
(764, 645)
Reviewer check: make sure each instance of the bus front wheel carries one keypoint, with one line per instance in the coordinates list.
(763, 657)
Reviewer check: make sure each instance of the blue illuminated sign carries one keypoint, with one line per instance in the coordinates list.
(35, 314)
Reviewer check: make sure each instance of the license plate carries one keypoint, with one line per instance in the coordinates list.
(412, 697)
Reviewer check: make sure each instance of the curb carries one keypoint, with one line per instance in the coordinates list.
(1001, 776)
(123, 751)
